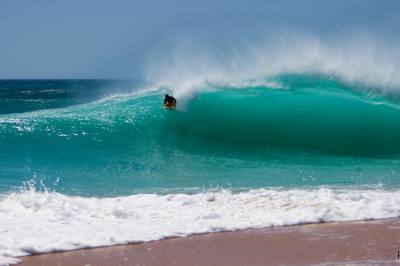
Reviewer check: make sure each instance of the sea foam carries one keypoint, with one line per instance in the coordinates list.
(360, 59)
(33, 222)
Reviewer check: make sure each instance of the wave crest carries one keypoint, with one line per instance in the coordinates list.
(358, 60)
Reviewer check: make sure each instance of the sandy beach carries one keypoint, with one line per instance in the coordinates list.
(358, 243)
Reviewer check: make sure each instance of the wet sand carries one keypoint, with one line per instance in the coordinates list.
(358, 243)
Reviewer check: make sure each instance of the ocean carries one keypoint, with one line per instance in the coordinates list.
(87, 163)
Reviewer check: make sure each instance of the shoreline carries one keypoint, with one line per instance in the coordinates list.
(357, 242)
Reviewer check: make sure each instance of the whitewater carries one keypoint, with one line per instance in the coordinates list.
(299, 138)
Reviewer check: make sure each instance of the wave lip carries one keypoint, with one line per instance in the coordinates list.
(35, 222)
(360, 60)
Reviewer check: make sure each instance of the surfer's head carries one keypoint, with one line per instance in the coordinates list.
(166, 95)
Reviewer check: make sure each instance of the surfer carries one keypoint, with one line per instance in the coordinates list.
(169, 102)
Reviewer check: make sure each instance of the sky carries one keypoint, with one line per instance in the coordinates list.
(115, 38)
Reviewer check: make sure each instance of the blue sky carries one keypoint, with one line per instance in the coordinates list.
(112, 39)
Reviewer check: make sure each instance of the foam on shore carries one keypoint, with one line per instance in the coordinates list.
(33, 222)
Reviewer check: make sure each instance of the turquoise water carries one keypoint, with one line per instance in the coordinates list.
(98, 162)
(105, 138)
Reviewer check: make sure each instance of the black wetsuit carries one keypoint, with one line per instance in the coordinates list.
(169, 100)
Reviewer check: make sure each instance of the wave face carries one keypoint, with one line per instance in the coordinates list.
(265, 132)
(287, 149)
